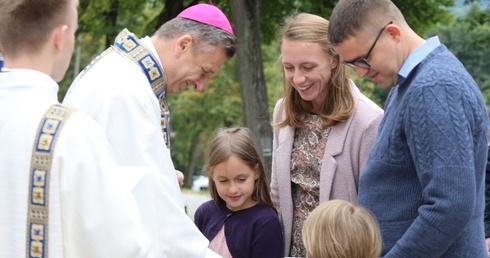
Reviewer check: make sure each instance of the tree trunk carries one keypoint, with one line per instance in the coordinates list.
(111, 20)
(251, 75)
(192, 162)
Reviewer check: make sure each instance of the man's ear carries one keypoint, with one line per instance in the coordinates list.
(394, 31)
(59, 36)
(183, 44)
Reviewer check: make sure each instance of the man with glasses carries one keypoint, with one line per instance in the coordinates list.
(424, 179)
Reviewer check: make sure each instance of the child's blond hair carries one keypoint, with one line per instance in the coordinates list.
(340, 229)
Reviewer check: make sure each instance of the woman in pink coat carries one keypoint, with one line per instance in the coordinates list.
(324, 128)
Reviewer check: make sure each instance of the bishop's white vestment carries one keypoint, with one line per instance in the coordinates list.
(118, 95)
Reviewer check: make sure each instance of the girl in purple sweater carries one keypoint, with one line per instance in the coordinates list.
(241, 220)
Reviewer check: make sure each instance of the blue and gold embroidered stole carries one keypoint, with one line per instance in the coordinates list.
(130, 47)
(41, 161)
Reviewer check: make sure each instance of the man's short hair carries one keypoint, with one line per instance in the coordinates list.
(202, 34)
(26, 24)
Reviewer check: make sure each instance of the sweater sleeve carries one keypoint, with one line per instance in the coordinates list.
(198, 220)
(267, 239)
(274, 185)
(487, 197)
(439, 132)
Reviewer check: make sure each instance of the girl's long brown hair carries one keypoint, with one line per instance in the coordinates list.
(237, 141)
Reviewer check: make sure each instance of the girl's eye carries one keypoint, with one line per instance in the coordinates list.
(242, 179)
(288, 68)
(308, 68)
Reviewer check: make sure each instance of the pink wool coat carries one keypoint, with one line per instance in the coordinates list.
(346, 153)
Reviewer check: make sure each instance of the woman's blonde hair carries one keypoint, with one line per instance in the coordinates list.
(238, 142)
(340, 229)
(339, 102)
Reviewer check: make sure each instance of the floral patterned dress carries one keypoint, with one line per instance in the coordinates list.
(306, 162)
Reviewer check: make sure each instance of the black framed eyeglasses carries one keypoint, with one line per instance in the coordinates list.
(362, 62)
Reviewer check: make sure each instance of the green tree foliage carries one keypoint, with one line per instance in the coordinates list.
(468, 38)
(273, 73)
(105, 18)
(422, 15)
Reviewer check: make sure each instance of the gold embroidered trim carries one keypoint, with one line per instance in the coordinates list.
(128, 45)
(38, 198)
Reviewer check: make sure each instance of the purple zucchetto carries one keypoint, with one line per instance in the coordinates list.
(207, 14)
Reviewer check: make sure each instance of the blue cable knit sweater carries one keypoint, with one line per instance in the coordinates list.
(424, 180)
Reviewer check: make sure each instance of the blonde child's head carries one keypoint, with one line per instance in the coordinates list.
(237, 143)
(340, 229)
